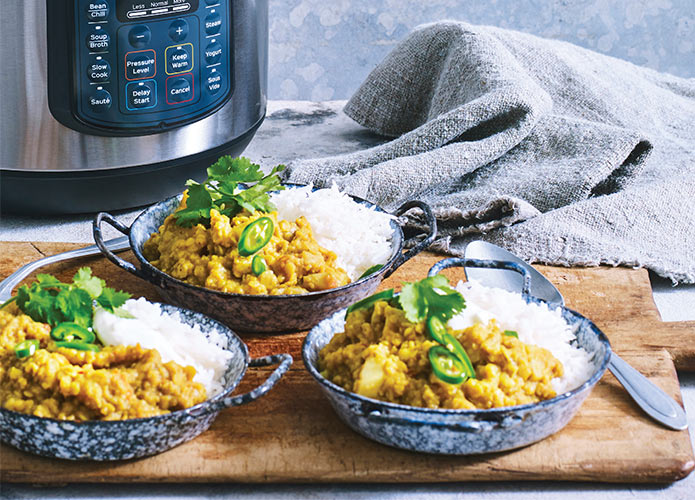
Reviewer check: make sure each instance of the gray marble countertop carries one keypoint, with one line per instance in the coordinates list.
(296, 129)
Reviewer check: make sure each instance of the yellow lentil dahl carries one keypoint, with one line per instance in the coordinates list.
(209, 257)
(118, 382)
(384, 356)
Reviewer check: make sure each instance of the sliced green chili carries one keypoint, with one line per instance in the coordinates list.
(511, 333)
(370, 301)
(437, 328)
(80, 346)
(446, 366)
(371, 270)
(72, 331)
(258, 265)
(26, 348)
(255, 236)
(454, 346)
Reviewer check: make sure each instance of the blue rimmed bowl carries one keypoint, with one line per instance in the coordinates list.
(459, 432)
(139, 437)
(257, 313)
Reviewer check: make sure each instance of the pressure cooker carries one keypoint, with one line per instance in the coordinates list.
(110, 104)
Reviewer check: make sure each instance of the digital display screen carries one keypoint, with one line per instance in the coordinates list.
(133, 10)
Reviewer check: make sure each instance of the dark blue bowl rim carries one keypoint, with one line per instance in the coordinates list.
(396, 252)
(374, 403)
(193, 410)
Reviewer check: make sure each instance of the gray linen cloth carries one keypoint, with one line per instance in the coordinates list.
(560, 154)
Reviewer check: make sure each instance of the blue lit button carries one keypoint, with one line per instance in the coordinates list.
(99, 100)
(140, 64)
(99, 70)
(178, 30)
(213, 23)
(141, 95)
(179, 89)
(213, 81)
(179, 58)
(139, 36)
(97, 11)
(213, 53)
(98, 40)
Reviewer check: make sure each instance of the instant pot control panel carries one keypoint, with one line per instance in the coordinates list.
(138, 66)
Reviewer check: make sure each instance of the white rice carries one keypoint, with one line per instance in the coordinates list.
(359, 236)
(535, 324)
(174, 340)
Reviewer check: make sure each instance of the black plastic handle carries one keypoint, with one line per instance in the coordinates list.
(488, 264)
(285, 361)
(431, 222)
(99, 240)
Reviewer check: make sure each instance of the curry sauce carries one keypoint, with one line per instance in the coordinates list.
(384, 356)
(118, 382)
(209, 256)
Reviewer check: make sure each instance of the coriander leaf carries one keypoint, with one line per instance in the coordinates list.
(430, 297)
(75, 305)
(198, 205)
(219, 191)
(110, 299)
(38, 304)
(90, 284)
(47, 280)
(235, 170)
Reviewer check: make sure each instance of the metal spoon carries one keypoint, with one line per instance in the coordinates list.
(655, 402)
(6, 286)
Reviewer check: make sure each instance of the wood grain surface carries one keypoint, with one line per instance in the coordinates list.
(292, 434)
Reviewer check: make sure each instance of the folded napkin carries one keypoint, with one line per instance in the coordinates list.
(557, 153)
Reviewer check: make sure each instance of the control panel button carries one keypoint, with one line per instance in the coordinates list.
(98, 40)
(213, 81)
(178, 30)
(141, 95)
(180, 89)
(140, 64)
(179, 58)
(213, 53)
(99, 100)
(212, 2)
(213, 23)
(139, 36)
(98, 70)
(97, 11)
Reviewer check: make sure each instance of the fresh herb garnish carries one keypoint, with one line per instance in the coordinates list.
(430, 297)
(220, 191)
(51, 301)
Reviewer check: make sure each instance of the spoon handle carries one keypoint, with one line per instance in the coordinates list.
(658, 405)
(6, 286)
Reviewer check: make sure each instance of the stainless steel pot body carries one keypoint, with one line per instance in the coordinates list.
(458, 432)
(139, 437)
(63, 170)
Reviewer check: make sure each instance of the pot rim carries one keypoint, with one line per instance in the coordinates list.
(445, 412)
(397, 235)
(192, 411)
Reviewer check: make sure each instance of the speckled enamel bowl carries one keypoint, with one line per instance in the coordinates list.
(140, 437)
(256, 313)
(458, 432)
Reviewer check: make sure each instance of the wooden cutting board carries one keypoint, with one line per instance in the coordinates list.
(292, 434)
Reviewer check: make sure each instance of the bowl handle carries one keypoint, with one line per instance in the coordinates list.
(99, 240)
(285, 361)
(488, 264)
(473, 426)
(431, 222)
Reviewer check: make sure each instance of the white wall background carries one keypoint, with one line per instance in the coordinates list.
(323, 49)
